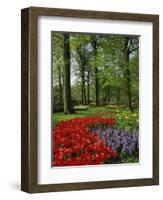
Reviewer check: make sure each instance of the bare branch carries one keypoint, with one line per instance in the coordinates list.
(132, 50)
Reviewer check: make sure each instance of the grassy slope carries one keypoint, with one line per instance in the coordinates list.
(125, 119)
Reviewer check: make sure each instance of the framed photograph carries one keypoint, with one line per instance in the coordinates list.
(90, 99)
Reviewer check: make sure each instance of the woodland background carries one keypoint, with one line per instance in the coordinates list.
(95, 74)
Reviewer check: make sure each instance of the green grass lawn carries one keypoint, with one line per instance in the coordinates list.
(125, 119)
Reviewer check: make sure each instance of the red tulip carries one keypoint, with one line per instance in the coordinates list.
(74, 144)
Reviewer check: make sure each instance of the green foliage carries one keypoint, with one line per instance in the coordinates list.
(107, 54)
(127, 120)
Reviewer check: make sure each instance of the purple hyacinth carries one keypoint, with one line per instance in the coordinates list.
(125, 143)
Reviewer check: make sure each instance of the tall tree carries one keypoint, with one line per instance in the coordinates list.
(94, 42)
(88, 86)
(83, 61)
(129, 47)
(81, 55)
(60, 84)
(68, 108)
(57, 71)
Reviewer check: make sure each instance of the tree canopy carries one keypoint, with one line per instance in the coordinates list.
(94, 69)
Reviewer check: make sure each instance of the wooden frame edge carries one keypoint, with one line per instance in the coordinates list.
(28, 100)
(156, 99)
(24, 99)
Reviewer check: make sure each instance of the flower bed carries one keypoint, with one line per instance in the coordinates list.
(126, 144)
(74, 143)
(92, 141)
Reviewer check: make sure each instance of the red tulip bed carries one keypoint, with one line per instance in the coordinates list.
(74, 144)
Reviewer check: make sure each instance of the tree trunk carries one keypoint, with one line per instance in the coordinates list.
(96, 86)
(118, 96)
(94, 45)
(127, 74)
(60, 85)
(82, 73)
(107, 94)
(83, 84)
(67, 84)
(82, 99)
(88, 77)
